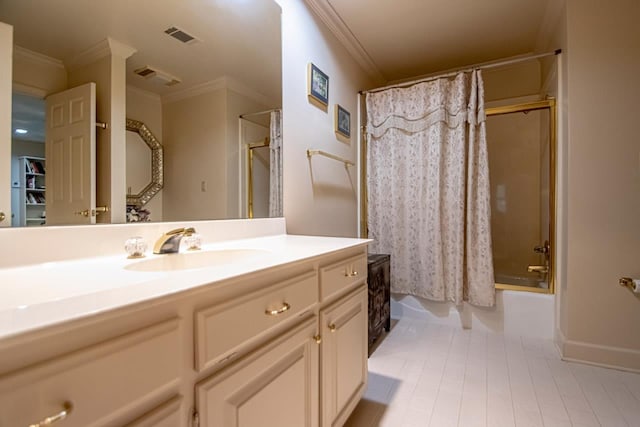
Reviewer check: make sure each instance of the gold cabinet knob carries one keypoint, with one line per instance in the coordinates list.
(317, 338)
(2, 216)
(332, 327)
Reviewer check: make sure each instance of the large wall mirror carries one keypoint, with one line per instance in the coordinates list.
(187, 70)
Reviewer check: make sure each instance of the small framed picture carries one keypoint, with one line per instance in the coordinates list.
(342, 121)
(318, 85)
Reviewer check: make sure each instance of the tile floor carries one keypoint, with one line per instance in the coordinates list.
(424, 374)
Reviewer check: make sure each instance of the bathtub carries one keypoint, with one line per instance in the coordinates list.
(507, 279)
(515, 313)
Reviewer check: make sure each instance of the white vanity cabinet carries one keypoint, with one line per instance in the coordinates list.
(344, 356)
(274, 386)
(284, 346)
(99, 384)
(343, 327)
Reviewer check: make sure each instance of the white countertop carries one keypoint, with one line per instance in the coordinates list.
(45, 294)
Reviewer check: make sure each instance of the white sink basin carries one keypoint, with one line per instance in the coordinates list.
(194, 260)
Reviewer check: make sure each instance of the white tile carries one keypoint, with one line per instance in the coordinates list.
(428, 374)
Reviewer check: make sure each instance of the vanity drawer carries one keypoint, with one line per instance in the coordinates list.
(102, 382)
(165, 415)
(341, 275)
(222, 328)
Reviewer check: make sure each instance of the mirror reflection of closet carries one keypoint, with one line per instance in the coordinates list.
(189, 92)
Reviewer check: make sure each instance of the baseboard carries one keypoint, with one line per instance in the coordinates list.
(601, 355)
(558, 340)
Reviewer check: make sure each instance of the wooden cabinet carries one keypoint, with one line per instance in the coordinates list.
(165, 415)
(283, 347)
(251, 316)
(274, 386)
(99, 383)
(379, 282)
(344, 356)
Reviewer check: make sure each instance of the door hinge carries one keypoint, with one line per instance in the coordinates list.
(195, 419)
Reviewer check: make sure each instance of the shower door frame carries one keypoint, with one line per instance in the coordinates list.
(250, 148)
(547, 104)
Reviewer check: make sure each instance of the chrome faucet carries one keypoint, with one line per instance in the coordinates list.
(169, 242)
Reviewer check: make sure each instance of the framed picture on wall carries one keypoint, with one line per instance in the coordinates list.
(318, 85)
(342, 121)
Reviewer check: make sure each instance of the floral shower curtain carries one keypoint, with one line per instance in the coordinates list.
(428, 188)
(275, 169)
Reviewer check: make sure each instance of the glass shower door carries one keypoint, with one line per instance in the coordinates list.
(521, 166)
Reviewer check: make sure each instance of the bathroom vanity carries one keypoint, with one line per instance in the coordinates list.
(267, 331)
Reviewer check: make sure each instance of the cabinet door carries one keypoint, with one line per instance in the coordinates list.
(275, 386)
(344, 356)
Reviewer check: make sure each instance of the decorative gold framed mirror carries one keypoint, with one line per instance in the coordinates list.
(154, 172)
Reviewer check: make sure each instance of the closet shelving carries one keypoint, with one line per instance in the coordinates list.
(32, 191)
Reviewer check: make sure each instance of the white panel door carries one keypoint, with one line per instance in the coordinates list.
(6, 60)
(70, 148)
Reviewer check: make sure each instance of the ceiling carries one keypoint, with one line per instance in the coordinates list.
(400, 39)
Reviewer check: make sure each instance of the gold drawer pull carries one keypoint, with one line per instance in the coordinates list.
(57, 417)
(352, 274)
(285, 307)
(318, 339)
(332, 327)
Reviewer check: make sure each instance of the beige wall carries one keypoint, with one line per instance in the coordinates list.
(320, 196)
(6, 49)
(109, 75)
(194, 142)
(513, 81)
(147, 108)
(603, 50)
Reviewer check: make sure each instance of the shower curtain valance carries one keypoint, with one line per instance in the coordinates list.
(415, 109)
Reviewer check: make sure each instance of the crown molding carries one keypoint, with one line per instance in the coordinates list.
(36, 92)
(36, 58)
(101, 49)
(224, 82)
(336, 25)
(242, 89)
(199, 89)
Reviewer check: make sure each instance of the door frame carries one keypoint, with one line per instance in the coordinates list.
(547, 104)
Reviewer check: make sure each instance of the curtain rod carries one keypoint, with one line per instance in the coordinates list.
(481, 66)
(242, 116)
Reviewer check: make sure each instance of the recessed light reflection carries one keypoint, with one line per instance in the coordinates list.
(21, 131)
(22, 307)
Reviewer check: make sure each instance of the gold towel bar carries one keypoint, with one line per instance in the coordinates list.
(346, 162)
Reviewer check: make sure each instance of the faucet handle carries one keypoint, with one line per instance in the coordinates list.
(542, 249)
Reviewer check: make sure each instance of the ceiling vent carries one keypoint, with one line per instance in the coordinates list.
(157, 76)
(181, 35)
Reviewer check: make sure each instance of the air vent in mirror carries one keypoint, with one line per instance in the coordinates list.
(181, 35)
